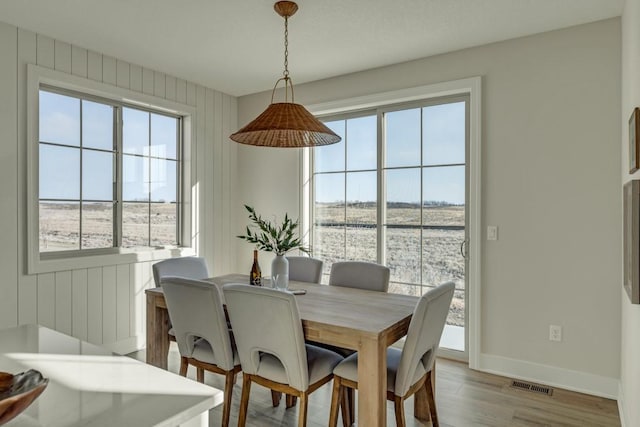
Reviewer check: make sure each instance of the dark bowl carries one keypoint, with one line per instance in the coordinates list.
(18, 391)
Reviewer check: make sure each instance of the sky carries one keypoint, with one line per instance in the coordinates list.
(422, 145)
(149, 151)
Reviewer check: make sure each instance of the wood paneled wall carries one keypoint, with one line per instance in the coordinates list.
(103, 305)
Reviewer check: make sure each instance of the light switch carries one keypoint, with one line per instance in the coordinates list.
(492, 232)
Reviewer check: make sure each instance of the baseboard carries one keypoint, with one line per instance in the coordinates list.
(581, 382)
(126, 346)
(621, 406)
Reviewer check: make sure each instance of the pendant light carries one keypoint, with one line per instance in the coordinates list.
(285, 124)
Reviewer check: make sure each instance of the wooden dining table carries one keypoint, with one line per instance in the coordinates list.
(366, 321)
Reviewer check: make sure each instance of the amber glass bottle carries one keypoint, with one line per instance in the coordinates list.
(255, 277)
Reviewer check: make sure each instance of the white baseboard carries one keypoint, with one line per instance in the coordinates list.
(126, 346)
(581, 382)
(621, 406)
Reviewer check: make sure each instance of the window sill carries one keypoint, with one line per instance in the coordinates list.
(50, 263)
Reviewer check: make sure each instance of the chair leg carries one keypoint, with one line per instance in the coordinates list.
(275, 398)
(399, 407)
(351, 405)
(290, 401)
(200, 375)
(184, 365)
(302, 415)
(244, 400)
(336, 398)
(429, 384)
(228, 392)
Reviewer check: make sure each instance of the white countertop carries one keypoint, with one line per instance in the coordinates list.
(90, 386)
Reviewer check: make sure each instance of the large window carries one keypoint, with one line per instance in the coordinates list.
(393, 191)
(109, 174)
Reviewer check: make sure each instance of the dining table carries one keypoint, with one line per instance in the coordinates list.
(365, 321)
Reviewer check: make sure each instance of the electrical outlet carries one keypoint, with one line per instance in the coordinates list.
(555, 333)
(492, 232)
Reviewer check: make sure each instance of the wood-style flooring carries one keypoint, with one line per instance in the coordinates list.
(465, 398)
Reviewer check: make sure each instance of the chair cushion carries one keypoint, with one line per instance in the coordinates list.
(348, 368)
(203, 352)
(320, 361)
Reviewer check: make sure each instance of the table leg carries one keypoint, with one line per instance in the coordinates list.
(157, 333)
(372, 383)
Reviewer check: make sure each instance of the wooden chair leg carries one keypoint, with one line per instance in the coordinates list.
(399, 407)
(275, 398)
(429, 384)
(244, 400)
(290, 401)
(336, 399)
(421, 404)
(302, 415)
(228, 392)
(351, 405)
(200, 375)
(184, 365)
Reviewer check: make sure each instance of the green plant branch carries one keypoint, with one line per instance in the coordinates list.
(272, 238)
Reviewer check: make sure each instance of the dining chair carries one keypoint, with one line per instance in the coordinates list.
(411, 369)
(200, 327)
(305, 269)
(187, 267)
(271, 346)
(359, 274)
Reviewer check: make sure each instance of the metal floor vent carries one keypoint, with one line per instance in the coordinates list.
(535, 388)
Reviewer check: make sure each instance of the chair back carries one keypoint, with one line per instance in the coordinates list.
(196, 311)
(267, 321)
(361, 275)
(189, 267)
(424, 335)
(305, 269)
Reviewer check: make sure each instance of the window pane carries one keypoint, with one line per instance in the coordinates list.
(163, 136)
(135, 131)
(59, 226)
(135, 177)
(163, 224)
(163, 180)
(329, 216)
(443, 187)
(403, 196)
(444, 134)
(442, 249)
(328, 158)
(97, 125)
(135, 224)
(97, 175)
(402, 137)
(59, 119)
(361, 243)
(97, 225)
(404, 289)
(329, 188)
(328, 244)
(59, 172)
(361, 143)
(361, 198)
(403, 249)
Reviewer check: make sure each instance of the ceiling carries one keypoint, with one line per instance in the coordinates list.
(237, 46)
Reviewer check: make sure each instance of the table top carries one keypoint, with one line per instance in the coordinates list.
(347, 312)
(89, 385)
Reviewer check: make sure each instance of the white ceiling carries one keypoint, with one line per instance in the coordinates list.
(237, 46)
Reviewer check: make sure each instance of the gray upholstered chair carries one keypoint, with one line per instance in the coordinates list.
(200, 327)
(360, 274)
(187, 267)
(408, 370)
(305, 269)
(268, 332)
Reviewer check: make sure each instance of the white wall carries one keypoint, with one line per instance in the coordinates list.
(104, 305)
(551, 167)
(630, 349)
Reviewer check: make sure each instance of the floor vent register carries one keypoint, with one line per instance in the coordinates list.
(534, 388)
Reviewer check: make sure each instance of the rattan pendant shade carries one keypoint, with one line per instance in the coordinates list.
(285, 124)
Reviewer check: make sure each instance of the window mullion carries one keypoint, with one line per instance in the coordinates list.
(117, 184)
(381, 190)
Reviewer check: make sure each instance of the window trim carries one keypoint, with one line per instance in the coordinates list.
(49, 262)
(471, 86)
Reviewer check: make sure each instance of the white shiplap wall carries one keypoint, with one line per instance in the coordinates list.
(104, 305)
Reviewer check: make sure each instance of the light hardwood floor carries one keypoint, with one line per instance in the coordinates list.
(465, 398)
